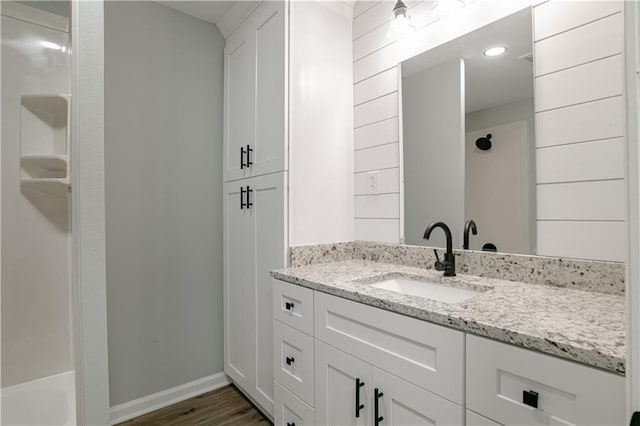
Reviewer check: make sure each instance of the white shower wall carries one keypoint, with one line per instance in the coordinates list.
(36, 319)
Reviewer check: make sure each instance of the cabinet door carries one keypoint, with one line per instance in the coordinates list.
(269, 247)
(255, 93)
(335, 382)
(239, 113)
(403, 403)
(239, 295)
(254, 244)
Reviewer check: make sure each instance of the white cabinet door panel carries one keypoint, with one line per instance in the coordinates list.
(255, 94)
(335, 383)
(405, 404)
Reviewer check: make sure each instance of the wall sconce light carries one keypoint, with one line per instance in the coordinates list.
(401, 25)
(441, 8)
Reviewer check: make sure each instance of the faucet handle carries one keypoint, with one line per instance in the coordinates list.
(438, 265)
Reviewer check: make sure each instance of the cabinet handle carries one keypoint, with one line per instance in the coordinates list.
(249, 191)
(249, 151)
(288, 306)
(377, 395)
(359, 406)
(242, 205)
(290, 360)
(291, 424)
(242, 166)
(530, 398)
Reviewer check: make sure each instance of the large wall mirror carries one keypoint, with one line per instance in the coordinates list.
(468, 138)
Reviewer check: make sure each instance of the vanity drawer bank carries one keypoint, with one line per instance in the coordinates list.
(510, 354)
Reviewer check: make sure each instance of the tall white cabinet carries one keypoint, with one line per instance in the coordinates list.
(267, 190)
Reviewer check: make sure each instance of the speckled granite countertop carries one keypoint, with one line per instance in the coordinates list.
(578, 325)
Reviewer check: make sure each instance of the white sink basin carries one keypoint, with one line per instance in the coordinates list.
(437, 292)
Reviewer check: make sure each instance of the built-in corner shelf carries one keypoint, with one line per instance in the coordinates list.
(44, 143)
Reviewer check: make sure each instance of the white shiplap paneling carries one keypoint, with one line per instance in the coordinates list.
(556, 16)
(362, 6)
(588, 43)
(388, 181)
(585, 240)
(376, 86)
(592, 81)
(379, 133)
(603, 159)
(377, 110)
(372, 18)
(382, 230)
(376, 158)
(597, 200)
(579, 123)
(383, 206)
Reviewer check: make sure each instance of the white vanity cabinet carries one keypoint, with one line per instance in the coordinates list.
(349, 364)
(368, 363)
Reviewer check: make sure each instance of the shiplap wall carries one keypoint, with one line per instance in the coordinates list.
(579, 129)
(579, 110)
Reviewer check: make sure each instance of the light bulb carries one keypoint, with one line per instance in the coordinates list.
(401, 25)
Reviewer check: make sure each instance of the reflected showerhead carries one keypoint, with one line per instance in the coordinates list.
(484, 143)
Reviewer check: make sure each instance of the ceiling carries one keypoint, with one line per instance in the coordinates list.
(210, 11)
(492, 81)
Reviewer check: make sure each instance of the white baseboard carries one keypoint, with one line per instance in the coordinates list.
(146, 404)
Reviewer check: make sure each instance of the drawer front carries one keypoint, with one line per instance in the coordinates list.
(427, 355)
(291, 410)
(293, 305)
(293, 360)
(474, 419)
(500, 377)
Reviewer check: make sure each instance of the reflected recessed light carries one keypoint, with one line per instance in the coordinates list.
(495, 51)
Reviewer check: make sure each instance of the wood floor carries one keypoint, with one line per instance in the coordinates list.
(224, 406)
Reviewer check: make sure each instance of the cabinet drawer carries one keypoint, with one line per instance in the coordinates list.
(293, 305)
(293, 360)
(474, 419)
(427, 355)
(290, 410)
(498, 375)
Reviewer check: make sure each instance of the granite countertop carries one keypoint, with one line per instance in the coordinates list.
(582, 326)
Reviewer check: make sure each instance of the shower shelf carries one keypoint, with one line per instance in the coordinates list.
(44, 143)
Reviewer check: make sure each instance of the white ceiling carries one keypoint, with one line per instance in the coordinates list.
(211, 11)
(492, 81)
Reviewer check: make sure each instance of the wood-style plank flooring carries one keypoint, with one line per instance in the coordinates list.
(224, 406)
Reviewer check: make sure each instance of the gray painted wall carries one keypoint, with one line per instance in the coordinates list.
(163, 149)
(433, 137)
(62, 8)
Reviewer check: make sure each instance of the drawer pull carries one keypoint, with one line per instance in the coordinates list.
(377, 395)
(359, 406)
(288, 306)
(530, 398)
(290, 360)
(291, 424)
(249, 151)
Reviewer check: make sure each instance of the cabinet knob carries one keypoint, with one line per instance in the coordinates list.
(288, 306)
(530, 398)
(290, 360)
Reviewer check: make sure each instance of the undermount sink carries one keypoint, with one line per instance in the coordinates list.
(431, 291)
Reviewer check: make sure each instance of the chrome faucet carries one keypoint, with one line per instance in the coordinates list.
(449, 263)
(469, 225)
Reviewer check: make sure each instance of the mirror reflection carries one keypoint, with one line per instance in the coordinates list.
(468, 139)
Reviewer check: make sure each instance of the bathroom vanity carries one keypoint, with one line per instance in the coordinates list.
(353, 346)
